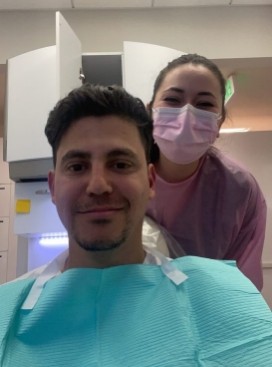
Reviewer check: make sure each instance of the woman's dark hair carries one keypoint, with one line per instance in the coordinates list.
(194, 59)
(96, 100)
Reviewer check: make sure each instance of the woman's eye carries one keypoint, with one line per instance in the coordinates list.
(171, 99)
(204, 105)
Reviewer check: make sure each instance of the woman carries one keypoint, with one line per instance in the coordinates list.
(209, 204)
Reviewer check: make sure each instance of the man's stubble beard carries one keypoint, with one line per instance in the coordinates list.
(100, 245)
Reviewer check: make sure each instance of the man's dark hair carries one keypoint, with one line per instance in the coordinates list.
(96, 100)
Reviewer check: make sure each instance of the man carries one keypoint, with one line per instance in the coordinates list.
(102, 183)
(110, 301)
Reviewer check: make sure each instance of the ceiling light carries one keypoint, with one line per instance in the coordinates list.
(234, 130)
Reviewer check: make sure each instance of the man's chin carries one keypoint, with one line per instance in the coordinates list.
(100, 245)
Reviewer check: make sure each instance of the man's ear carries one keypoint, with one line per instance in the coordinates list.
(51, 183)
(152, 178)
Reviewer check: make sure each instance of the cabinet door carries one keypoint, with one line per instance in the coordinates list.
(4, 228)
(31, 93)
(68, 57)
(36, 80)
(4, 169)
(3, 267)
(42, 216)
(141, 64)
(4, 200)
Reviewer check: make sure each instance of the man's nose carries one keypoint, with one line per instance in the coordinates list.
(99, 182)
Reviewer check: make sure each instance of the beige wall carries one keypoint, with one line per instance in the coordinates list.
(216, 32)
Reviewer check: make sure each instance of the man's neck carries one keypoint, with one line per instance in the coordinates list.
(123, 255)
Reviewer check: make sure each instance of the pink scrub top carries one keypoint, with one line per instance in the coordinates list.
(219, 212)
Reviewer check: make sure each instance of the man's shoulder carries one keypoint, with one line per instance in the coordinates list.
(33, 274)
(214, 274)
(15, 287)
(220, 289)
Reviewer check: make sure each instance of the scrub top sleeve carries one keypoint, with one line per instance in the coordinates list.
(250, 240)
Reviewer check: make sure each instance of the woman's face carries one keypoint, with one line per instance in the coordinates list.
(193, 84)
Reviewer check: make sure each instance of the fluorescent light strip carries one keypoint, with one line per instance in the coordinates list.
(234, 130)
(54, 240)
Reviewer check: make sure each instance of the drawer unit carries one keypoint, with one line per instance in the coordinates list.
(4, 229)
(3, 266)
(4, 168)
(4, 200)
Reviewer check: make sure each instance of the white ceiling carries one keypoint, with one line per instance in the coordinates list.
(118, 4)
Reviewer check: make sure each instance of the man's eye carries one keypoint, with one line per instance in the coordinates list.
(76, 167)
(122, 166)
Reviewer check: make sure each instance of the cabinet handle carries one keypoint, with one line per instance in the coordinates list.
(0, 256)
(2, 188)
(81, 76)
(1, 221)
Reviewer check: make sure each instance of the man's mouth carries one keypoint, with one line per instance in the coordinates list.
(100, 212)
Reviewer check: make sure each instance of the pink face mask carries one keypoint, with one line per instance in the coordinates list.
(184, 134)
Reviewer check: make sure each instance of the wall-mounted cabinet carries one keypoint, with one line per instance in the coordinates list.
(3, 266)
(4, 233)
(35, 82)
(38, 79)
(4, 200)
(6, 213)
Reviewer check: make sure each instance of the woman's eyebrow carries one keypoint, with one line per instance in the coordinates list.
(175, 89)
(180, 90)
(209, 94)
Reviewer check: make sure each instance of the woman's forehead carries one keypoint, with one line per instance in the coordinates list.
(191, 72)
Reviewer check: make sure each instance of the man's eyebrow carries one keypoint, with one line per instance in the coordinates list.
(75, 154)
(114, 153)
(122, 152)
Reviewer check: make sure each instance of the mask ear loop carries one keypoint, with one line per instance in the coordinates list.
(220, 123)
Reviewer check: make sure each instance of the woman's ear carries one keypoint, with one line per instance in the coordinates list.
(149, 108)
(151, 177)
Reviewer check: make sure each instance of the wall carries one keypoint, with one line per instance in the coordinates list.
(216, 32)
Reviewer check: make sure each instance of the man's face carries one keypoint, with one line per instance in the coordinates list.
(102, 183)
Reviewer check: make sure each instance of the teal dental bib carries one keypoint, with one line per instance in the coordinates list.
(134, 315)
